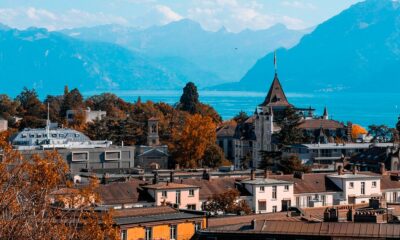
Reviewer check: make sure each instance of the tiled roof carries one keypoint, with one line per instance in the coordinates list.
(318, 123)
(146, 211)
(213, 186)
(227, 129)
(167, 185)
(265, 181)
(311, 183)
(276, 96)
(373, 155)
(65, 191)
(388, 183)
(122, 192)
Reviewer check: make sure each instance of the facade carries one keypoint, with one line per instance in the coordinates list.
(87, 114)
(182, 196)
(158, 223)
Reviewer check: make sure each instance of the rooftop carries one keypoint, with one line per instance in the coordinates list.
(265, 181)
(355, 176)
(168, 185)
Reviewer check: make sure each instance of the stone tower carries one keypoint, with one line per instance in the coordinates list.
(152, 132)
(263, 128)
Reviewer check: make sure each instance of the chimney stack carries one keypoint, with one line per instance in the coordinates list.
(253, 174)
(171, 176)
(206, 175)
(266, 173)
(354, 169)
(340, 170)
(253, 224)
(155, 179)
(298, 174)
(382, 169)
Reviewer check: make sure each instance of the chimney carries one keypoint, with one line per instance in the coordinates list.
(340, 170)
(155, 179)
(252, 174)
(266, 173)
(354, 169)
(382, 169)
(253, 224)
(299, 175)
(206, 175)
(171, 176)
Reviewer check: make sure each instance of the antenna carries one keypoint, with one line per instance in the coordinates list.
(48, 121)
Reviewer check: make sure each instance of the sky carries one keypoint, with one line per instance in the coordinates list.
(234, 15)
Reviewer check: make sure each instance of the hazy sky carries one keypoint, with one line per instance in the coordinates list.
(235, 15)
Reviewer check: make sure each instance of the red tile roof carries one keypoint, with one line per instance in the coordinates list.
(122, 192)
(213, 186)
(318, 123)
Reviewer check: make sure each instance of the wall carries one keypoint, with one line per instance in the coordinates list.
(267, 196)
(185, 198)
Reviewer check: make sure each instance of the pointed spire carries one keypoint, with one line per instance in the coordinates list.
(275, 63)
(325, 116)
(276, 96)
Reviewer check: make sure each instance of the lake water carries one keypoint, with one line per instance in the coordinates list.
(361, 108)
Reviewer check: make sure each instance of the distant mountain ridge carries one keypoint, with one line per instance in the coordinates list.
(357, 50)
(224, 55)
(47, 61)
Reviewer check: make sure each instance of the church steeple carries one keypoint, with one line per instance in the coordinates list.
(276, 96)
(325, 116)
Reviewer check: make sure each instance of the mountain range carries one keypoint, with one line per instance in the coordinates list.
(357, 50)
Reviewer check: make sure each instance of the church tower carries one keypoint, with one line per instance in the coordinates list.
(152, 132)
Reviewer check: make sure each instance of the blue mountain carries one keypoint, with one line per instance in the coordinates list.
(220, 56)
(357, 50)
(47, 61)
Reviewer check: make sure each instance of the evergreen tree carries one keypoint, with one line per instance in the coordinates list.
(214, 156)
(73, 100)
(241, 117)
(291, 164)
(190, 99)
(269, 159)
(290, 132)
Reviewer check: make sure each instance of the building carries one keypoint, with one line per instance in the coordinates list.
(225, 138)
(153, 155)
(158, 223)
(372, 158)
(87, 115)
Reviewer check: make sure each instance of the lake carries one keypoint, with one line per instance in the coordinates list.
(361, 108)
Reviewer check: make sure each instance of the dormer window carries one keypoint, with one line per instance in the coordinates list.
(351, 185)
(374, 184)
(262, 189)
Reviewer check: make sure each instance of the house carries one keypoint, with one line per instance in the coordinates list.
(87, 115)
(158, 223)
(372, 158)
(179, 195)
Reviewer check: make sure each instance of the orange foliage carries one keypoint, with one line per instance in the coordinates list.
(190, 141)
(26, 211)
(356, 130)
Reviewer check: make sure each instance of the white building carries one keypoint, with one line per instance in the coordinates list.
(88, 115)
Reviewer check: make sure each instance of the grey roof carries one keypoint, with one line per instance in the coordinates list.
(354, 176)
(155, 218)
(265, 181)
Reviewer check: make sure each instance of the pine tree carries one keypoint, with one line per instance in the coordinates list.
(190, 99)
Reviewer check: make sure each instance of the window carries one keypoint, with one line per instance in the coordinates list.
(262, 189)
(197, 226)
(178, 197)
(124, 235)
(149, 233)
(172, 232)
(262, 206)
(363, 188)
(191, 192)
(374, 184)
(351, 185)
(191, 206)
(274, 194)
(164, 194)
(274, 208)
(286, 188)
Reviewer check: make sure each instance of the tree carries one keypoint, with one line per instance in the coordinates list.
(214, 157)
(26, 209)
(8, 107)
(189, 142)
(380, 133)
(269, 159)
(113, 105)
(30, 109)
(54, 103)
(189, 99)
(241, 117)
(227, 202)
(357, 130)
(73, 100)
(290, 132)
(291, 164)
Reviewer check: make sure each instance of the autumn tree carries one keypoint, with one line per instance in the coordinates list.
(26, 209)
(113, 105)
(30, 109)
(214, 157)
(8, 108)
(290, 132)
(357, 130)
(72, 100)
(189, 142)
(54, 103)
(227, 202)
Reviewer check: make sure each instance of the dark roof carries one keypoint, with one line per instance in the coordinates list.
(169, 185)
(373, 155)
(276, 96)
(303, 228)
(151, 215)
(214, 186)
(311, 183)
(122, 192)
(227, 129)
(318, 123)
